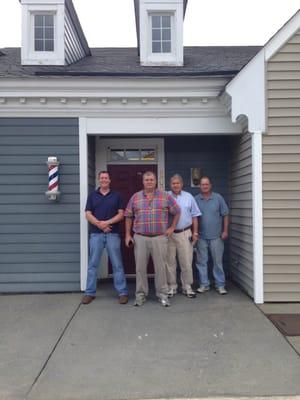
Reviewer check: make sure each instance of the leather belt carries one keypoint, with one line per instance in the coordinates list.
(141, 234)
(182, 230)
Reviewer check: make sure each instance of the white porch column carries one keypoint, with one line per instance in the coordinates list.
(83, 173)
(257, 217)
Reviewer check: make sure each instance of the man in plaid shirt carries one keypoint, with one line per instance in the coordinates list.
(147, 215)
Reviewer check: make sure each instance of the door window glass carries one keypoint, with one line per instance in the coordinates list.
(148, 154)
(117, 155)
(133, 154)
(136, 154)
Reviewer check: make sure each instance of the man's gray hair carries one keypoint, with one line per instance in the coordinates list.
(176, 176)
(149, 173)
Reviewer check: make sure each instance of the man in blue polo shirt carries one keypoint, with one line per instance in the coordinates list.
(213, 232)
(104, 211)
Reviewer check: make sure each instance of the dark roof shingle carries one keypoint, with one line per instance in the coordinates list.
(210, 60)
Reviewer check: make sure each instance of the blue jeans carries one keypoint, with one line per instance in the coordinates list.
(216, 247)
(112, 242)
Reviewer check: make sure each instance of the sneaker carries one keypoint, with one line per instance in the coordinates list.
(123, 299)
(221, 290)
(139, 300)
(165, 302)
(172, 292)
(188, 292)
(203, 289)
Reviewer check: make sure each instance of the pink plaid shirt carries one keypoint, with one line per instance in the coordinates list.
(151, 216)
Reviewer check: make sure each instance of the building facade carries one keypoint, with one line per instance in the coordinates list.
(229, 112)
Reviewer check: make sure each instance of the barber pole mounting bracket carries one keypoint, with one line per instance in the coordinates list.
(52, 192)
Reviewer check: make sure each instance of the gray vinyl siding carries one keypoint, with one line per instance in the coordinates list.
(39, 240)
(281, 176)
(210, 154)
(73, 48)
(241, 235)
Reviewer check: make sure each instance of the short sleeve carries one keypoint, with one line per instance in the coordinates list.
(129, 208)
(195, 212)
(172, 205)
(223, 207)
(89, 204)
(121, 205)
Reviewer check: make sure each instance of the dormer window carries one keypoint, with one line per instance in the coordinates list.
(51, 33)
(160, 30)
(161, 33)
(43, 32)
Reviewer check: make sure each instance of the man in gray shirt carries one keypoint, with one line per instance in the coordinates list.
(213, 231)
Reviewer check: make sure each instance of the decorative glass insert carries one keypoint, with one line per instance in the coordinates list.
(44, 32)
(161, 33)
(148, 154)
(131, 154)
(117, 155)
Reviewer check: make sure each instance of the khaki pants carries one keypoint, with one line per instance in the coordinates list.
(180, 243)
(156, 246)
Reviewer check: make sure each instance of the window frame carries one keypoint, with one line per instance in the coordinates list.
(45, 53)
(160, 29)
(43, 39)
(161, 57)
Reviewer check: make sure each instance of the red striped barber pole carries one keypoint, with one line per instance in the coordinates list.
(53, 192)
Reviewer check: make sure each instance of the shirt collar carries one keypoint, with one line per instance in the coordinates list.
(155, 192)
(176, 195)
(210, 197)
(98, 191)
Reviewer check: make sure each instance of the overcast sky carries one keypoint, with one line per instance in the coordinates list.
(208, 22)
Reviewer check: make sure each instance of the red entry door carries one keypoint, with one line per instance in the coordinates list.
(128, 179)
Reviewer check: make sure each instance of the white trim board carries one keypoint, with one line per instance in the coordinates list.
(155, 126)
(257, 207)
(83, 171)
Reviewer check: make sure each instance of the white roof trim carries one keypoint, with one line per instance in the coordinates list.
(282, 36)
(247, 91)
(248, 88)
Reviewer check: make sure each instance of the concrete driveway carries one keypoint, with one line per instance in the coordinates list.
(53, 348)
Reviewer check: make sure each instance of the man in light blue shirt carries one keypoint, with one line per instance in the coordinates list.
(182, 240)
(213, 232)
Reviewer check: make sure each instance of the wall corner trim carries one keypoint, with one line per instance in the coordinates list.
(83, 173)
(257, 206)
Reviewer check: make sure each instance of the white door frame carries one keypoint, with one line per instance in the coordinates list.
(158, 143)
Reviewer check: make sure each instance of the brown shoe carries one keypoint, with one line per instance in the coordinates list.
(87, 299)
(123, 299)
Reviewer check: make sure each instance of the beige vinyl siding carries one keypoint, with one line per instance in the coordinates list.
(241, 238)
(281, 176)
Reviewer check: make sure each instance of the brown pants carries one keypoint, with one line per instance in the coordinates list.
(156, 247)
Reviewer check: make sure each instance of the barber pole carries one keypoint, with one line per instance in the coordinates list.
(53, 192)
